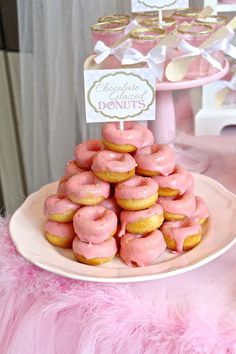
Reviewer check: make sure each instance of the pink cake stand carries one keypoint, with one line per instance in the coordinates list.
(164, 127)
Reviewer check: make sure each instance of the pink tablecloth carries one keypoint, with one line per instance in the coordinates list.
(41, 313)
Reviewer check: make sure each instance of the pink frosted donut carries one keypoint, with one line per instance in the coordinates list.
(136, 193)
(131, 135)
(106, 249)
(60, 209)
(113, 166)
(141, 250)
(201, 212)
(86, 189)
(155, 159)
(176, 183)
(72, 168)
(180, 231)
(190, 182)
(179, 207)
(110, 204)
(95, 224)
(59, 234)
(85, 152)
(131, 217)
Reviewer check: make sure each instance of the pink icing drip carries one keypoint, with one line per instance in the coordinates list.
(85, 152)
(132, 134)
(136, 188)
(71, 168)
(133, 216)
(142, 250)
(61, 189)
(86, 185)
(178, 179)
(113, 162)
(58, 204)
(179, 230)
(159, 158)
(59, 229)
(181, 205)
(190, 182)
(201, 211)
(148, 138)
(111, 204)
(94, 224)
(90, 251)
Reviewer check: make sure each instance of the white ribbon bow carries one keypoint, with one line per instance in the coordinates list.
(220, 44)
(154, 59)
(104, 51)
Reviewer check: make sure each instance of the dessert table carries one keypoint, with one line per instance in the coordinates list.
(195, 312)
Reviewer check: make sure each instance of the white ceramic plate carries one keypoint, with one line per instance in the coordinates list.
(26, 229)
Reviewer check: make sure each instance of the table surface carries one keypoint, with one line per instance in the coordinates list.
(42, 313)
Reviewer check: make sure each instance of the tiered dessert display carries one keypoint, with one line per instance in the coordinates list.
(124, 195)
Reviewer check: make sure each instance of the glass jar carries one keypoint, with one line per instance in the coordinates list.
(143, 16)
(112, 18)
(195, 34)
(215, 21)
(145, 38)
(168, 23)
(108, 32)
(185, 15)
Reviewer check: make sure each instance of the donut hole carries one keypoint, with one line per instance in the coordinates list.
(94, 148)
(99, 215)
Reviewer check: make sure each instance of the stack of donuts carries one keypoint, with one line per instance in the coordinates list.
(124, 195)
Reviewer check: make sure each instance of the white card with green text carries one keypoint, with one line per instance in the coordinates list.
(119, 95)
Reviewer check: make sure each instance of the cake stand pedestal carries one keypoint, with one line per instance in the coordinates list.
(164, 127)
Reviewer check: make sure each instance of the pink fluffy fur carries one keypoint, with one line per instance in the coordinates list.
(42, 313)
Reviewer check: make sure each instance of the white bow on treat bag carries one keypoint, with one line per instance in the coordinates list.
(103, 51)
(206, 52)
(155, 59)
(218, 41)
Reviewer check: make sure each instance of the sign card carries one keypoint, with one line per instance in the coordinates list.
(119, 95)
(156, 5)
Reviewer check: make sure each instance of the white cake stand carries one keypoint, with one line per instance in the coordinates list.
(164, 127)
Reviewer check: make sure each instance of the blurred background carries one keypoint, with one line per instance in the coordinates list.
(43, 44)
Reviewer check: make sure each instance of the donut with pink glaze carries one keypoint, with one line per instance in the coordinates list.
(137, 193)
(142, 221)
(127, 140)
(181, 235)
(85, 152)
(59, 234)
(94, 254)
(141, 250)
(72, 168)
(154, 160)
(60, 209)
(201, 213)
(111, 204)
(179, 207)
(86, 189)
(95, 224)
(113, 167)
(175, 184)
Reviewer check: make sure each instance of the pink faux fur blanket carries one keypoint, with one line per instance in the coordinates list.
(41, 313)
